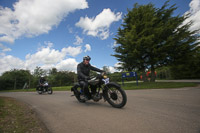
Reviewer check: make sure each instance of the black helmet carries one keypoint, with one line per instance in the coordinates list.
(86, 58)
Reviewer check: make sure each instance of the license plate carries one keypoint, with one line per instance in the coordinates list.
(106, 81)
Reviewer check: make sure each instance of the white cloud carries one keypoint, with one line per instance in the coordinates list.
(99, 26)
(70, 30)
(194, 6)
(72, 51)
(115, 44)
(194, 15)
(9, 62)
(48, 43)
(113, 69)
(69, 64)
(78, 40)
(112, 45)
(117, 64)
(87, 47)
(45, 57)
(4, 48)
(34, 17)
(2, 54)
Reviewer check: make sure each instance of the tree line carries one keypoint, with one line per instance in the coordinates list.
(17, 79)
(151, 39)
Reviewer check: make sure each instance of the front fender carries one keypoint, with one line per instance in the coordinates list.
(112, 84)
(109, 85)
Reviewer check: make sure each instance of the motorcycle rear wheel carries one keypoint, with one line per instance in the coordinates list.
(39, 92)
(78, 94)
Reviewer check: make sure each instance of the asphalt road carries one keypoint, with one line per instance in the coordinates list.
(147, 111)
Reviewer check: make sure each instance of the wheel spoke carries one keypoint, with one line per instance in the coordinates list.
(115, 95)
(117, 91)
(119, 100)
(110, 91)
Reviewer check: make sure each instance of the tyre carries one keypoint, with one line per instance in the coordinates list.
(50, 91)
(39, 92)
(77, 92)
(115, 95)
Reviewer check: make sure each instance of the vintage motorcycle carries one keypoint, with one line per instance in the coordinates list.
(44, 88)
(110, 91)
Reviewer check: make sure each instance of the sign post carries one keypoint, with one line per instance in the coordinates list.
(128, 75)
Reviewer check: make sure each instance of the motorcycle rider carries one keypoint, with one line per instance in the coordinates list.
(83, 70)
(42, 80)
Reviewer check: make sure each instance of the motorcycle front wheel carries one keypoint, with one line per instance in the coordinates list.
(50, 91)
(115, 95)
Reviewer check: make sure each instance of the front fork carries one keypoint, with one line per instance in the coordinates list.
(103, 94)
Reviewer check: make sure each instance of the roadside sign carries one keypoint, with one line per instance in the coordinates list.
(128, 75)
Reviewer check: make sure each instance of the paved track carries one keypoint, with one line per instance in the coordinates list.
(147, 111)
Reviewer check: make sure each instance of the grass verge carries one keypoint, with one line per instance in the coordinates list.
(17, 117)
(127, 86)
(157, 85)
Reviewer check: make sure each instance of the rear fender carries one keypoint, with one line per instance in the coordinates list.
(76, 85)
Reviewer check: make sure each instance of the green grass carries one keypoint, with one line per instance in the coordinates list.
(141, 85)
(19, 90)
(127, 86)
(157, 85)
(2, 113)
(17, 117)
(62, 88)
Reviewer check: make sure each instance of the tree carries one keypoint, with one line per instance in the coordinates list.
(153, 37)
(15, 79)
(187, 68)
(53, 71)
(106, 69)
(38, 72)
(61, 78)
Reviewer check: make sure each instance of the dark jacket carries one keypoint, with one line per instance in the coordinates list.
(42, 80)
(84, 71)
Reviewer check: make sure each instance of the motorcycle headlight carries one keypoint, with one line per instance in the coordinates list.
(105, 77)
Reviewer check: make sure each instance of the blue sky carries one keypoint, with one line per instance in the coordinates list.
(58, 33)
